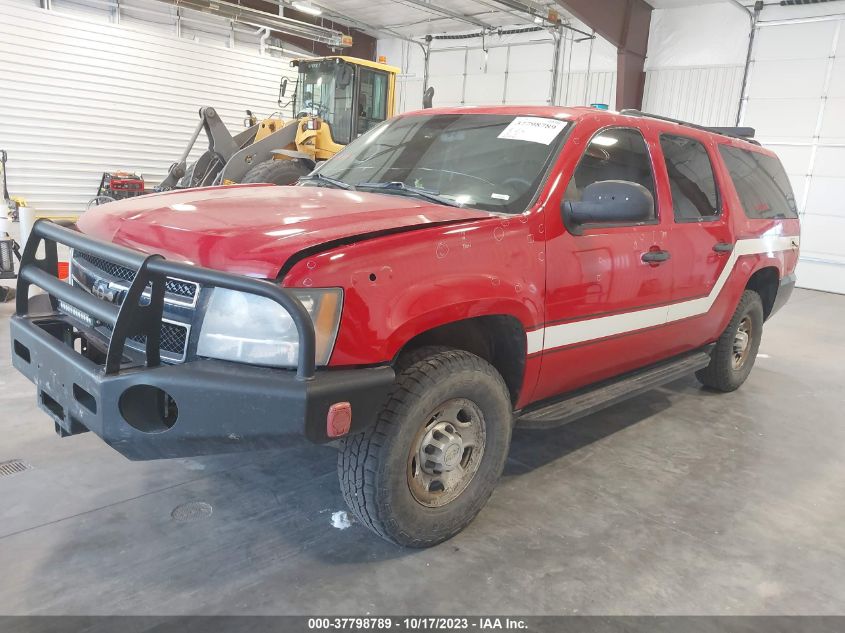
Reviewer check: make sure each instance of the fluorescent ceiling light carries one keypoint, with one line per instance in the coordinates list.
(605, 141)
(306, 7)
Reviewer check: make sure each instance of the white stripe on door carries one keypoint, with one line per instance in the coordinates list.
(601, 327)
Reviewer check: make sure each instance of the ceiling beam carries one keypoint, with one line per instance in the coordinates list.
(436, 8)
(243, 14)
(519, 15)
(336, 17)
(369, 29)
(528, 7)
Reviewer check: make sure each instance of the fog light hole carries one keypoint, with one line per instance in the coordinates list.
(148, 409)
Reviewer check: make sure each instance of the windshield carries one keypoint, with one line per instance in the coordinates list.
(325, 90)
(485, 161)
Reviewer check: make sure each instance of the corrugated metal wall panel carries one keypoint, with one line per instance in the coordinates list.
(578, 89)
(83, 97)
(707, 95)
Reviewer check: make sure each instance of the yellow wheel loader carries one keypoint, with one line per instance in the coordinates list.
(336, 99)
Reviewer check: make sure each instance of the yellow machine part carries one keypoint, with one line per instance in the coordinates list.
(318, 144)
(391, 71)
(267, 127)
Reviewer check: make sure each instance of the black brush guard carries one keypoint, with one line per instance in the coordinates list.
(147, 409)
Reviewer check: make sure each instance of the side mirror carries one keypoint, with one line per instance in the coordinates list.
(428, 97)
(608, 202)
(283, 88)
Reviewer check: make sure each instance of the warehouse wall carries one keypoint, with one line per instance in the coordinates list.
(506, 69)
(795, 96)
(795, 99)
(695, 62)
(83, 95)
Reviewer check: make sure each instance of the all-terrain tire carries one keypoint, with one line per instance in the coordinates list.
(373, 466)
(723, 373)
(277, 172)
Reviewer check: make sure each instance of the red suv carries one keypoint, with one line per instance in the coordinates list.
(450, 274)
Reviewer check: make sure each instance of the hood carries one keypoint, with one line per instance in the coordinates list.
(254, 229)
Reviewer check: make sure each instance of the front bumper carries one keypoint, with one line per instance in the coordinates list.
(220, 406)
(146, 409)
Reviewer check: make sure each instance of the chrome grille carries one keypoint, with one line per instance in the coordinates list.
(115, 270)
(173, 339)
(181, 288)
(176, 287)
(179, 300)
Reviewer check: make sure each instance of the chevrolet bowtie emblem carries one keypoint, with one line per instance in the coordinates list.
(103, 290)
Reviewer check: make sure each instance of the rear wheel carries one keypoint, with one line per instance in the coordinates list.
(277, 172)
(429, 464)
(735, 351)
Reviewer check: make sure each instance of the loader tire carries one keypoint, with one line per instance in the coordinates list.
(277, 172)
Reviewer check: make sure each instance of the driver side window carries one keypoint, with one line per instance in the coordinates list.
(613, 154)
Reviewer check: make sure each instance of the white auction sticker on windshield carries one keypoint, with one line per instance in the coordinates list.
(533, 129)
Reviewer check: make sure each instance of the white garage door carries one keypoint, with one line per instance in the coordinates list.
(518, 73)
(81, 97)
(796, 102)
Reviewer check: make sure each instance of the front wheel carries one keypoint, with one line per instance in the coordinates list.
(735, 351)
(431, 461)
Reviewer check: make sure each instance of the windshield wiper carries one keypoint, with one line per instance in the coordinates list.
(398, 186)
(334, 182)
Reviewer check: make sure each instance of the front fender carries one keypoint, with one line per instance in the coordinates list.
(399, 286)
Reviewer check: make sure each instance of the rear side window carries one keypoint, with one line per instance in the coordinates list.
(761, 183)
(694, 194)
(613, 154)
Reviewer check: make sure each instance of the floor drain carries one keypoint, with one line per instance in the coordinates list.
(193, 511)
(12, 467)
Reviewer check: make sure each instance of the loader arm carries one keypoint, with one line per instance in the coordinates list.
(222, 146)
(247, 158)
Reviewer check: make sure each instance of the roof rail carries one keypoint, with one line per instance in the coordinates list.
(744, 133)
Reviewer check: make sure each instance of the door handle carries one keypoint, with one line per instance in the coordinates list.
(723, 247)
(655, 257)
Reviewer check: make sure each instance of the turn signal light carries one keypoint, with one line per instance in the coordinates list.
(339, 419)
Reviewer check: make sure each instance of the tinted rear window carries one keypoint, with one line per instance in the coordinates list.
(694, 194)
(761, 183)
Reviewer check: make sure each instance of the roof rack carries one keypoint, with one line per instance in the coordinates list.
(744, 133)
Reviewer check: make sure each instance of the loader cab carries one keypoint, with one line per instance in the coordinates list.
(350, 95)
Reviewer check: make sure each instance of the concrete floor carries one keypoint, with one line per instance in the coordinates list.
(678, 502)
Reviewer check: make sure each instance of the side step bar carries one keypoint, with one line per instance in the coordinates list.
(585, 401)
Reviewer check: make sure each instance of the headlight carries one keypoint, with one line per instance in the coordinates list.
(247, 328)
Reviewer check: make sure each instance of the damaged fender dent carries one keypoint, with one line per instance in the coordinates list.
(305, 253)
